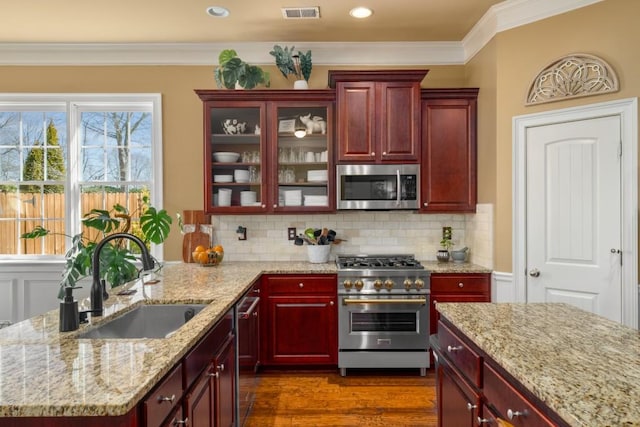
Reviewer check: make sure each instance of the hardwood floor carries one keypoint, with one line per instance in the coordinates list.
(362, 398)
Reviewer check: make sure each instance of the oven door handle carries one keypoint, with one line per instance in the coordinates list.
(346, 301)
(398, 189)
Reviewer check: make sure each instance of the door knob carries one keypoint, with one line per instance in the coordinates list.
(534, 272)
(615, 251)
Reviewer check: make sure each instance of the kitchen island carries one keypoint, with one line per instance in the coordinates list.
(580, 367)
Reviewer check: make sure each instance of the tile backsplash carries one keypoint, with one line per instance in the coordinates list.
(364, 232)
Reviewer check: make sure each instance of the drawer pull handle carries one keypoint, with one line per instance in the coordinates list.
(451, 349)
(461, 285)
(301, 285)
(471, 407)
(169, 399)
(484, 421)
(181, 422)
(515, 414)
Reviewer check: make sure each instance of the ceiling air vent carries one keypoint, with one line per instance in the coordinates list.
(301, 12)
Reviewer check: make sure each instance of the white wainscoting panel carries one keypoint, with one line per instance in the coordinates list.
(503, 289)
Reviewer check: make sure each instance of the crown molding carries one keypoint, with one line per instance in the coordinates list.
(511, 14)
(500, 17)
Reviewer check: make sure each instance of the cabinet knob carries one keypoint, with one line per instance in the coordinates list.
(451, 349)
(384, 153)
(264, 206)
(220, 367)
(484, 421)
(511, 414)
(461, 285)
(373, 153)
(301, 285)
(331, 302)
(169, 399)
(213, 374)
(435, 301)
(184, 422)
(425, 204)
(275, 205)
(471, 407)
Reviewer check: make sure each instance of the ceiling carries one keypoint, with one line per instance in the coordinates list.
(176, 21)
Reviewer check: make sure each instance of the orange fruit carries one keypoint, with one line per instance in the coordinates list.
(218, 248)
(200, 248)
(203, 257)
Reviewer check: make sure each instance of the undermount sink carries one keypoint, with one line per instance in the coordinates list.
(146, 321)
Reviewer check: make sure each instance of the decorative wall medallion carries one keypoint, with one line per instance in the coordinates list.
(572, 76)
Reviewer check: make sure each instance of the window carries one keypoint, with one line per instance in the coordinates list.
(61, 156)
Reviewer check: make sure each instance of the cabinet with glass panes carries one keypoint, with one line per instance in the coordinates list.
(268, 150)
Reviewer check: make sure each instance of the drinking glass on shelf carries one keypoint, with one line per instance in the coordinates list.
(290, 175)
(256, 157)
(246, 157)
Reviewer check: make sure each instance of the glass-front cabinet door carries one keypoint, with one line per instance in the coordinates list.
(301, 151)
(234, 165)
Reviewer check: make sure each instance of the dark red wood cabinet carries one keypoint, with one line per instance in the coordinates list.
(299, 324)
(459, 287)
(378, 115)
(449, 157)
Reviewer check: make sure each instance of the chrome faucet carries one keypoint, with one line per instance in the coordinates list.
(98, 288)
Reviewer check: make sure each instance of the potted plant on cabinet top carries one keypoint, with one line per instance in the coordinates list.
(446, 244)
(233, 72)
(297, 64)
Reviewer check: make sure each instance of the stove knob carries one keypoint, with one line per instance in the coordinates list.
(377, 284)
(389, 284)
(347, 284)
(358, 284)
(419, 283)
(407, 284)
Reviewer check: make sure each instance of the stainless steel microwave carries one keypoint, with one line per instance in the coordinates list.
(378, 187)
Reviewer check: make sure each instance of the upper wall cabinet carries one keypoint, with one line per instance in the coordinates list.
(449, 150)
(253, 160)
(378, 115)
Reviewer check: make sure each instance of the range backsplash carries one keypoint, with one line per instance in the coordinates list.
(365, 232)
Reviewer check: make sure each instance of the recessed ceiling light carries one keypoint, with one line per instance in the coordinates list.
(361, 12)
(218, 11)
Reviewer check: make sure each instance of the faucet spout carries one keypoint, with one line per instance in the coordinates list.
(98, 287)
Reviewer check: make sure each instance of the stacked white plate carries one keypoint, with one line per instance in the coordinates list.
(247, 198)
(317, 175)
(293, 198)
(222, 178)
(316, 201)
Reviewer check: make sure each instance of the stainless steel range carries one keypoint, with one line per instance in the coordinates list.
(383, 314)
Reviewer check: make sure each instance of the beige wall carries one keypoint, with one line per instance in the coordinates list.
(607, 29)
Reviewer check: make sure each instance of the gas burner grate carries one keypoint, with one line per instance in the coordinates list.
(378, 261)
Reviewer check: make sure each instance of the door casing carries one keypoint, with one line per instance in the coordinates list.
(627, 109)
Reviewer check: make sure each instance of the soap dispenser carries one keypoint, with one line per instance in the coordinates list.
(69, 318)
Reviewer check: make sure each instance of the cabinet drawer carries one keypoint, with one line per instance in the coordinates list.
(462, 283)
(506, 399)
(301, 285)
(461, 356)
(163, 398)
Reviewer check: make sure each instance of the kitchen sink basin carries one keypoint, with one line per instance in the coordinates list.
(146, 321)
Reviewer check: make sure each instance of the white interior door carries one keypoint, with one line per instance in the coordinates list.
(573, 215)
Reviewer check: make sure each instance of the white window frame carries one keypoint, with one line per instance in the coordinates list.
(75, 105)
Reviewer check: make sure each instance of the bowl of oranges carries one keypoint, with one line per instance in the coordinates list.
(208, 257)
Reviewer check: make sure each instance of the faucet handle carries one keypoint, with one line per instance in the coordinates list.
(82, 315)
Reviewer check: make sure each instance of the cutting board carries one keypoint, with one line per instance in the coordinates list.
(191, 240)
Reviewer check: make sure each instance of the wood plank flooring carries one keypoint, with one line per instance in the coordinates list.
(363, 398)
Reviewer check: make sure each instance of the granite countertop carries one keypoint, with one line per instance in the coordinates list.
(44, 372)
(584, 367)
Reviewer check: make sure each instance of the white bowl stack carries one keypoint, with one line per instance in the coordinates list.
(247, 198)
(317, 175)
(226, 156)
(293, 198)
(316, 200)
(223, 178)
(241, 175)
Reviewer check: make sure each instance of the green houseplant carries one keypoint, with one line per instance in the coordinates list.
(291, 63)
(232, 70)
(117, 261)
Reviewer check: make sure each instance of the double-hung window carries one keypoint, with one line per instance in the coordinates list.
(63, 155)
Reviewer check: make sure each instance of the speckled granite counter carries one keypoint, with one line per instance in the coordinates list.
(47, 373)
(584, 367)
